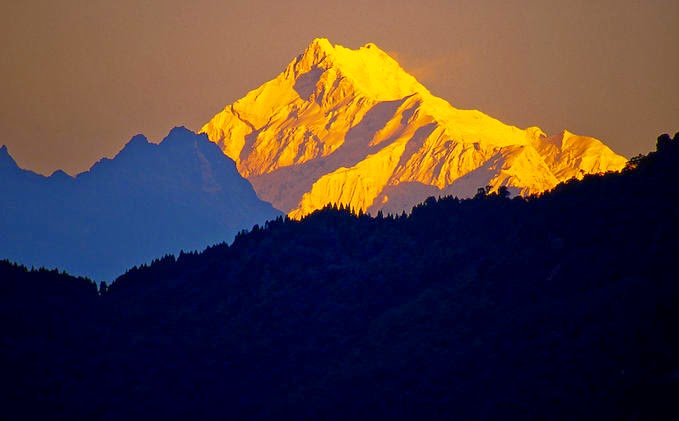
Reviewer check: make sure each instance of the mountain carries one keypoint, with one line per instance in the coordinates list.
(352, 127)
(181, 194)
(560, 307)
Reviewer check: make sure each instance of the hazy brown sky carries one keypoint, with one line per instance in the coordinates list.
(80, 78)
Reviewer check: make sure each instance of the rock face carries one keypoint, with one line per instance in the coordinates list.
(352, 127)
(182, 194)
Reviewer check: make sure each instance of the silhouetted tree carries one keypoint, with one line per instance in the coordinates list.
(664, 141)
(503, 192)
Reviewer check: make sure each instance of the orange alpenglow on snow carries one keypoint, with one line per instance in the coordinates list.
(352, 127)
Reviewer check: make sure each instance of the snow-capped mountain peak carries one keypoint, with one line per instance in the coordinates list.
(352, 127)
(370, 70)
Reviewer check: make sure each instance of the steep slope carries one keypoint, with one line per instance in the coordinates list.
(352, 127)
(182, 194)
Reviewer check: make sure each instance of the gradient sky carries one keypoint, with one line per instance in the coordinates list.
(80, 78)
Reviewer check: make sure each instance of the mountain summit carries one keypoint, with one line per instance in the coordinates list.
(352, 127)
(6, 160)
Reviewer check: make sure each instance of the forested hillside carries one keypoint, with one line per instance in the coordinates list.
(561, 306)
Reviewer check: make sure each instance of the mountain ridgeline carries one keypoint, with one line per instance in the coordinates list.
(342, 126)
(182, 194)
(352, 127)
(562, 306)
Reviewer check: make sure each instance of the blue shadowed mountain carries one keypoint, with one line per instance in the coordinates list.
(151, 199)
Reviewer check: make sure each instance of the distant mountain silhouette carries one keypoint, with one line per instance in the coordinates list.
(563, 306)
(182, 194)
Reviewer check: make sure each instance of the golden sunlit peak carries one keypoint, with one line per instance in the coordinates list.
(321, 43)
(380, 140)
(371, 71)
(324, 45)
(319, 47)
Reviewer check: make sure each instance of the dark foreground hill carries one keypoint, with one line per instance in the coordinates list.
(559, 307)
(149, 200)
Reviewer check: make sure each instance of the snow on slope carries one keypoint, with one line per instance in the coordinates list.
(352, 127)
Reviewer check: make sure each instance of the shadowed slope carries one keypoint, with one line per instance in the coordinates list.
(147, 201)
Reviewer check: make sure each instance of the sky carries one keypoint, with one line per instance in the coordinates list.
(81, 77)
